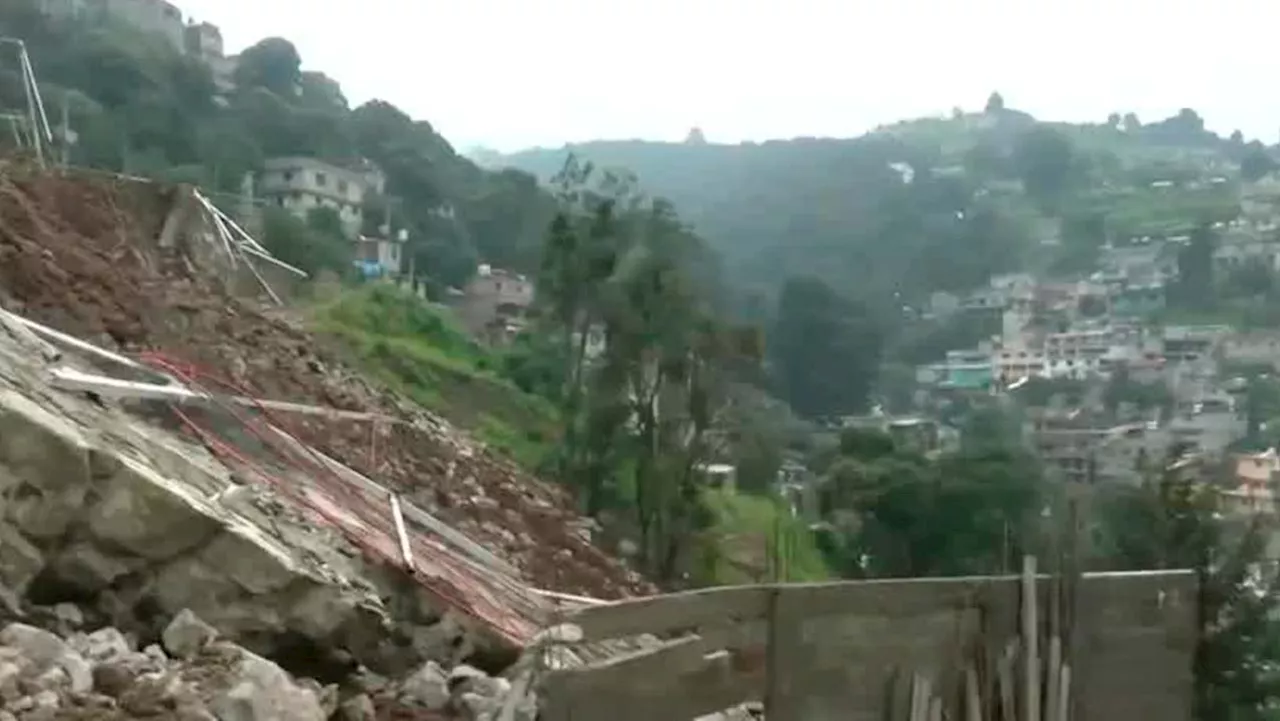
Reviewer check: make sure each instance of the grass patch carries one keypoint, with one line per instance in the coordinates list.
(416, 349)
(745, 533)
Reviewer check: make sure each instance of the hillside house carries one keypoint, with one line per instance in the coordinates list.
(962, 370)
(1253, 487)
(494, 304)
(1191, 343)
(1259, 348)
(301, 185)
(1013, 363)
(381, 256)
(1138, 299)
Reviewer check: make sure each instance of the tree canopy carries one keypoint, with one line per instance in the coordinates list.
(140, 107)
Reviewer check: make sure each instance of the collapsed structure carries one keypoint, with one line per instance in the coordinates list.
(142, 474)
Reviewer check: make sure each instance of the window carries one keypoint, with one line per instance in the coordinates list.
(322, 180)
(342, 186)
(287, 176)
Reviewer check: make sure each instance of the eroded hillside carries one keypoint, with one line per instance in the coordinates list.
(80, 255)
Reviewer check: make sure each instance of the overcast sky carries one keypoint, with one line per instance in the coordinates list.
(510, 74)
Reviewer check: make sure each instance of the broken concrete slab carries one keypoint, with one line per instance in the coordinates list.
(151, 516)
(20, 561)
(37, 445)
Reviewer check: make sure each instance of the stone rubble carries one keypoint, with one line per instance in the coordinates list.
(199, 676)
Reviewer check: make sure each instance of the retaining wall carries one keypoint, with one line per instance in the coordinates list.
(842, 651)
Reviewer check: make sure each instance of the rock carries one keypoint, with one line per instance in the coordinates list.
(69, 614)
(6, 716)
(428, 687)
(79, 672)
(262, 691)
(102, 646)
(20, 561)
(469, 679)
(186, 635)
(357, 708)
(39, 646)
(112, 679)
(195, 713)
(55, 679)
(9, 674)
(46, 699)
(478, 706)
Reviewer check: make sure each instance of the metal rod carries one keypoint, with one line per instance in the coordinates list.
(72, 379)
(584, 600)
(261, 281)
(31, 104)
(405, 551)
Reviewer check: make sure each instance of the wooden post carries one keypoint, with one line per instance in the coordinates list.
(1031, 641)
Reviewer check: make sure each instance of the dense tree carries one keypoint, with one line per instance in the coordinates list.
(638, 417)
(1195, 285)
(316, 244)
(1044, 158)
(825, 349)
(273, 64)
(142, 108)
(900, 513)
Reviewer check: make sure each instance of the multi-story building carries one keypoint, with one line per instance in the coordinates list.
(1013, 363)
(1190, 343)
(962, 370)
(301, 185)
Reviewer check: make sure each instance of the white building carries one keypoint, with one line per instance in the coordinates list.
(301, 185)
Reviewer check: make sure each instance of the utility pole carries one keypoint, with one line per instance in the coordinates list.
(41, 134)
(31, 105)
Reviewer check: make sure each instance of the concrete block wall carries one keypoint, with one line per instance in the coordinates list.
(841, 651)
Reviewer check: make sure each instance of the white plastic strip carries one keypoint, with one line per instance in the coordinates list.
(405, 551)
(76, 343)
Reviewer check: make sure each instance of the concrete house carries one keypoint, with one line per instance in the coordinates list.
(300, 185)
(494, 303)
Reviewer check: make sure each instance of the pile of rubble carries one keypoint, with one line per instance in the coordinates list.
(80, 254)
(193, 675)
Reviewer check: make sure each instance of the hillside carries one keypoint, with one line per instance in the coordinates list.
(80, 254)
(935, 203)
(141, 108)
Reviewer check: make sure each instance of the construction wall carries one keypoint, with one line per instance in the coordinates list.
(847, 650)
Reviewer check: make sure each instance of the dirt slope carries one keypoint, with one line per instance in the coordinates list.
(79, 254)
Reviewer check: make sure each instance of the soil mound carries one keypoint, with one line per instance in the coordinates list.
(80, 254)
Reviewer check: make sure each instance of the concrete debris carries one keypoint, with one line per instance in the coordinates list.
(103, 677)
(186, 636)
(428, 687)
